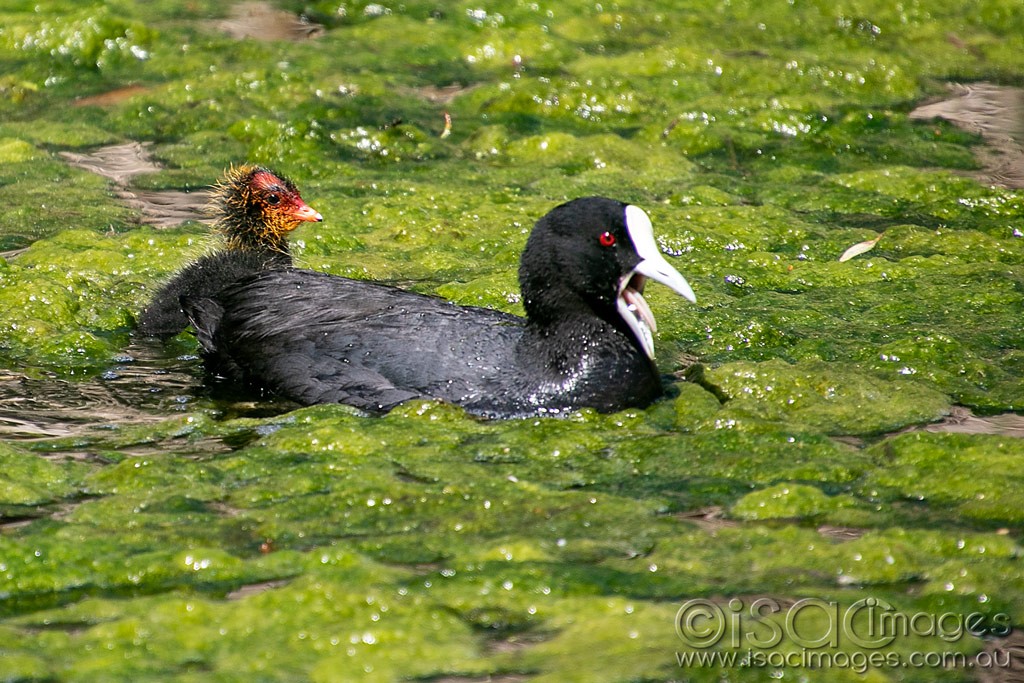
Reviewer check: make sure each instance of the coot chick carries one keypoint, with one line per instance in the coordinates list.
(253, 208)
(587, 340)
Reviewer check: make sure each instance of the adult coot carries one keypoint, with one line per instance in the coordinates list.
(254, 208)
(587, 340)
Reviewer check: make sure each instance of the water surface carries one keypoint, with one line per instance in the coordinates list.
(153, 530)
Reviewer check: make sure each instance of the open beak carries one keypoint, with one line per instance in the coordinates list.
(630, 302)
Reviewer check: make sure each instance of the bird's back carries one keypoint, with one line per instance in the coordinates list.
(164, 316)
(317, 338)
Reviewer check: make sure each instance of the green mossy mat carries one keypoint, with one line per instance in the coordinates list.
(210, 542)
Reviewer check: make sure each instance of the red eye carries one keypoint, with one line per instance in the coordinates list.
(606, 239)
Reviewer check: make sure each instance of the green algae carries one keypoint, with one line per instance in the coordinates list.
(90, 38)
(40, 196)
(56, 297)
(321, 544)
(28, 481)
(944, 467)
(823, 397)
(784, 501)
(527, 536)
(14, 150)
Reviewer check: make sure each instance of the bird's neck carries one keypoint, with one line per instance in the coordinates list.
(574, 321)
(587, 362)
(575, 340)
(257, 237)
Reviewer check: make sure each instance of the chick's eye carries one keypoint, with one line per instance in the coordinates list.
(273, 199)
(606, 239)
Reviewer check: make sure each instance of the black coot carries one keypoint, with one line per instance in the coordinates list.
(587, 340)
(254, 208)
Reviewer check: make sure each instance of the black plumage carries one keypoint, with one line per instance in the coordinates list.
(164, 317)
(586, 341)
(253, 208)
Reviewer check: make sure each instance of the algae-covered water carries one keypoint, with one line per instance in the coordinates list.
(152, 532)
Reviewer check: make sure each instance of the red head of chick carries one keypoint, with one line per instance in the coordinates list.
(256, 208)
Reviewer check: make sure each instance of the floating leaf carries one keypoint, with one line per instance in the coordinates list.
(859, 248)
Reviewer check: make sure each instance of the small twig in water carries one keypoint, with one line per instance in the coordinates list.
(669, 128)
